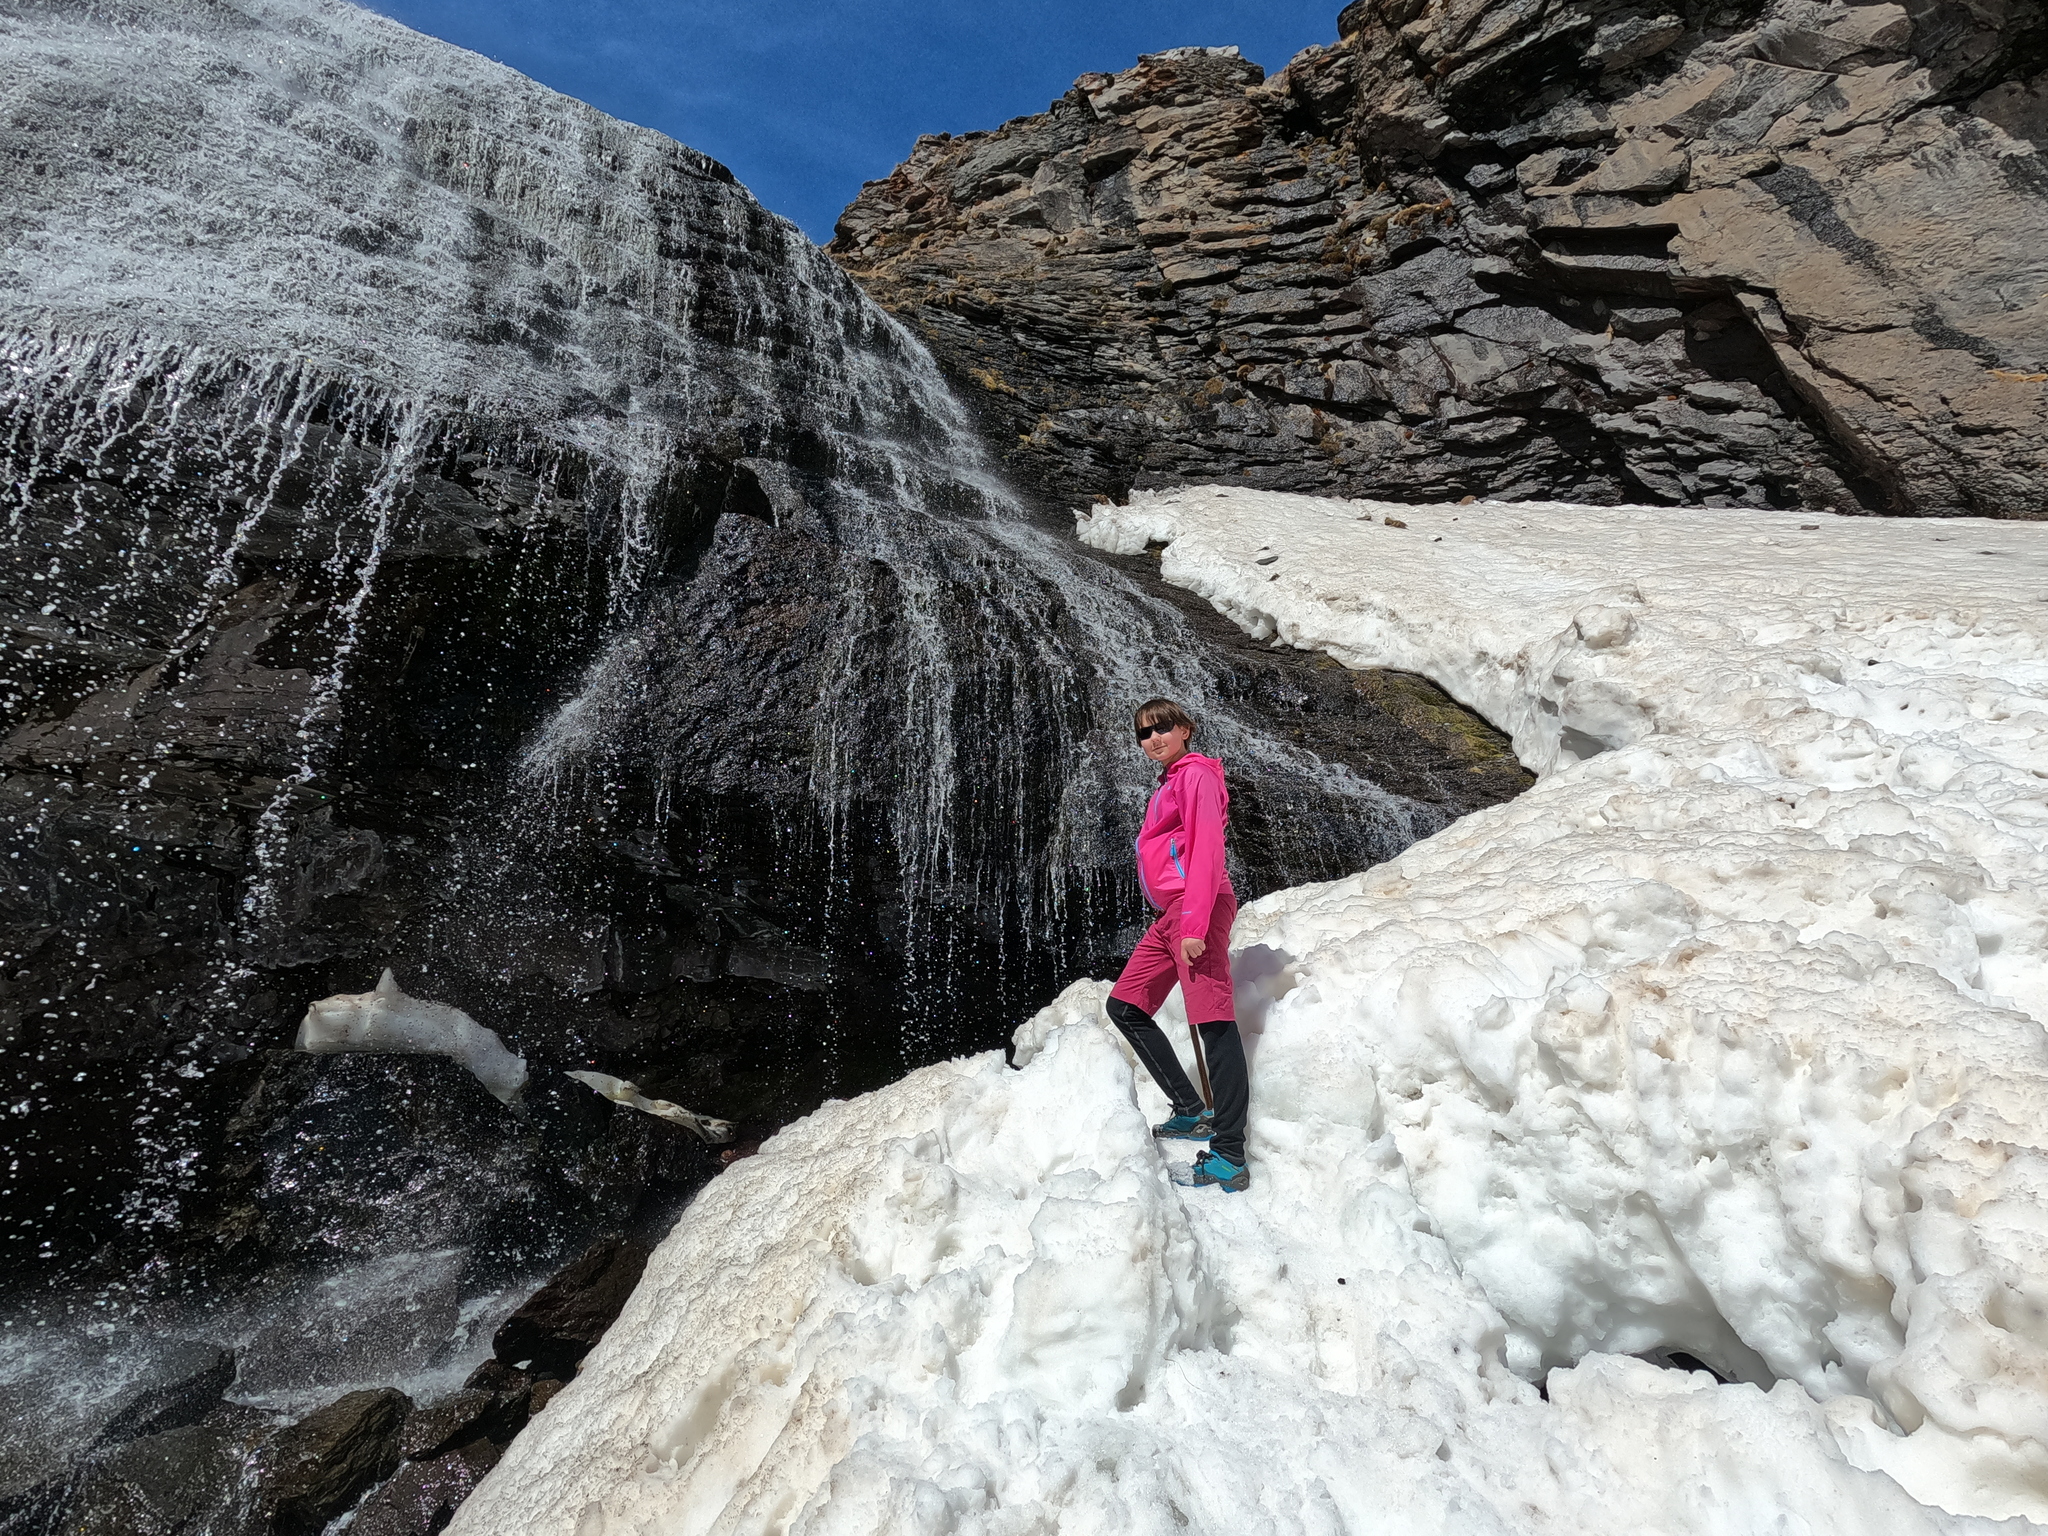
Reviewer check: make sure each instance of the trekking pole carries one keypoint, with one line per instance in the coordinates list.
(1201, 1065)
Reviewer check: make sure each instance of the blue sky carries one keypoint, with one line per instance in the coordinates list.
(807, 99)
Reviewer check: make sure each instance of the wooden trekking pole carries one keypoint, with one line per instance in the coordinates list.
(1201, 1066)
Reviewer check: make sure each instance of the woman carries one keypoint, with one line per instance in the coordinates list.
(1180, 864)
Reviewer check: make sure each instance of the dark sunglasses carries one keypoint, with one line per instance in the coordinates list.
(1145, 731)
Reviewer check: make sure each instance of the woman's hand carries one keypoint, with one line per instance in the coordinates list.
(1192, 950)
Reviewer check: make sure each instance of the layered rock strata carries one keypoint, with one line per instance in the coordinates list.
(1780, 254)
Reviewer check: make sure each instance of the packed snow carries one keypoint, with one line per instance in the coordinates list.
(1723, 1043)
(389, 1020)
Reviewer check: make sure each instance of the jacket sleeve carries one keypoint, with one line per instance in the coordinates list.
(1202, 815)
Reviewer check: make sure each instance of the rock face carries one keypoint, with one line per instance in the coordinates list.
(173, 1391)
(1765, 254)
(182, 1482)
(165, 1456)
(337, 435)
(422, 1497)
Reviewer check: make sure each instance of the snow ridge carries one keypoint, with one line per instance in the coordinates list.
(1725, 1039)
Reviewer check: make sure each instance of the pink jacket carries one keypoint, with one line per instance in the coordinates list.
(1180, 846)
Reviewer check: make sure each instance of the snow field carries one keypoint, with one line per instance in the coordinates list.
(1725, 1038)
(974, 1303)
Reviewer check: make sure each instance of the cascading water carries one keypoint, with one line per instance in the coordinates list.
(974, 695)
(450, 529)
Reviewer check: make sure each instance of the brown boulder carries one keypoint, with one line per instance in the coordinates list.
(440, 1426)
(318, 1467)
(563, 1319)
(422, 1496)
(175, 1482)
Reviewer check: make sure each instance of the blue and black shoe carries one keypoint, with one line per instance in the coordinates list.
(1186, 1127)
(1214, 1168)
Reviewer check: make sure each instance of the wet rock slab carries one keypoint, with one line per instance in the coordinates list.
(230, 1471)
(320, 1466)
(174, 1390)
(187, 1480)
(422, 1496)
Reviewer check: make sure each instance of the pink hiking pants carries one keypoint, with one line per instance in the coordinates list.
(1155, 966)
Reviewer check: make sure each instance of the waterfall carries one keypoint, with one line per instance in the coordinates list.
(451, 529)
(983, 669)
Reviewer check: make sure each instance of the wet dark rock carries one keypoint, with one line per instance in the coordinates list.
(450, 1444)
(440, 1426)
(346, 1155)
(316, 1468)
(511, 1403)
(182, 1482)
(565, 1318)
(275, 705)
(1417, 265)
(422, 1496)
(497, 1377)
(191, 1380)
(46, 1444)
(114, 997)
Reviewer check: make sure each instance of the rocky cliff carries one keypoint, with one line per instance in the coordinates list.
(1789, 253)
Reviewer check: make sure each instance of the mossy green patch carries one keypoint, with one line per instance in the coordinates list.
(1465, 737)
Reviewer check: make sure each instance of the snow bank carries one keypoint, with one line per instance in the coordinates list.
(1725, 1039)
(389, 1019)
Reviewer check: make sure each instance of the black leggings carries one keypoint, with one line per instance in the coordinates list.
(1228, 1078)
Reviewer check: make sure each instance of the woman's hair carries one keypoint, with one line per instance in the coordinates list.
(1163, 712)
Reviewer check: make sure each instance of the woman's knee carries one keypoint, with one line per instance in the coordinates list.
(1126, 1016)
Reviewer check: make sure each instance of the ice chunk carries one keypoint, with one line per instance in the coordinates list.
(386, 1019)
(619, 1091)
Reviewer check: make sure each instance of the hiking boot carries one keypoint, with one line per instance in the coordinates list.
(1186, 1127)
(1214, 1168)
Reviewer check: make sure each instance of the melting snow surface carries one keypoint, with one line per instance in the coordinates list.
(1723, 1040)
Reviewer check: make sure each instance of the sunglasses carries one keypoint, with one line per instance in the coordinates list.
(1147, 731)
